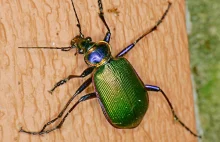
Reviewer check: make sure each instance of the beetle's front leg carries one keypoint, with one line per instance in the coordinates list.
(101, 15)
(63, 81)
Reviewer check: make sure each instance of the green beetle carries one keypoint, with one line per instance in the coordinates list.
(121, 93)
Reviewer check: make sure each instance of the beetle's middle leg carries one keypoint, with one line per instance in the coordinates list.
(157, 89)
(63, 81)
(129, 47)
(83, 98)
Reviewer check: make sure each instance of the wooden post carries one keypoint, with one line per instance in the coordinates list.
(161, 59)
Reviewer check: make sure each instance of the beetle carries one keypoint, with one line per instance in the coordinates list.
(120, 91)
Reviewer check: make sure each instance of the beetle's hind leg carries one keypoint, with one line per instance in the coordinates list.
(157, 89)
(79, 90)
(83, 98)
(101, 15)
(63, 81)
(129, 47)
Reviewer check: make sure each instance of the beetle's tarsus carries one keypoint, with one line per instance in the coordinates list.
(41, 132)
(51, 92)
(32, 133)
(21, 130)
(61, 82)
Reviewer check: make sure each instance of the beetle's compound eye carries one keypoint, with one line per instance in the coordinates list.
(81, 51)
(89, 39)
(73, 45)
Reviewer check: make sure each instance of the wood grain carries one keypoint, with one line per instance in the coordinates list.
(161, 59)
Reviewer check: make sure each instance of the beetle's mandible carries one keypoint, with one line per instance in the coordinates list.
(121, 93)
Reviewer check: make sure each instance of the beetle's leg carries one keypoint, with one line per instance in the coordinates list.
(157, 89)
(79, 90)
(83, 74)
(129, 47)
(83, 98)
(101, 15)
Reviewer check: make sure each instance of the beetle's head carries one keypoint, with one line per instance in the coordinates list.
(95, 53)
(82, 44)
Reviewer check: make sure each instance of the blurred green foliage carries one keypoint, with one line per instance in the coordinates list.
(204, 41)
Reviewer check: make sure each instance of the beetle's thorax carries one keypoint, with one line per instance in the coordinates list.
(99, 54)
(95, 53)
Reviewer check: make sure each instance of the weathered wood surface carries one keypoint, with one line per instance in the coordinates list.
(161, 58)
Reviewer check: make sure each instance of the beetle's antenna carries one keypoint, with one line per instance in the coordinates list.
(157, 24)
(62, 48)
(129, 47)
(78, 25)
(175, 116)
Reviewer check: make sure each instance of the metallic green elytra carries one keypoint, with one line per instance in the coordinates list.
(122, 94)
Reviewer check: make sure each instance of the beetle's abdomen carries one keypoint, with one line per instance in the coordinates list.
(122, 94)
